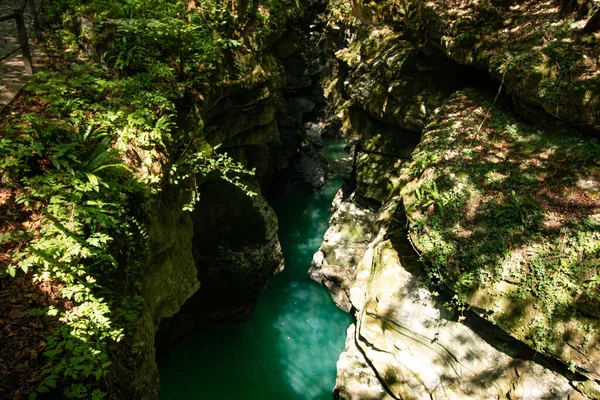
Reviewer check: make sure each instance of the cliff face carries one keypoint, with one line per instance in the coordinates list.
(545, 58)
(234, 241)
(490, 217)
(210, 265)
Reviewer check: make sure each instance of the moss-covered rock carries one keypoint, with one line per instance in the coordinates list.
(393, 80)
(508, 216)
(504, 213)
(171, 281)
(377, 176)
(541, 56)
(408, 342)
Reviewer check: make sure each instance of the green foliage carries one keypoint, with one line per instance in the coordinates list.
(458, 303)
(203, 163)
(431, 195)
(340, 12)
(84, 189)
(518, 208)
(101, 141)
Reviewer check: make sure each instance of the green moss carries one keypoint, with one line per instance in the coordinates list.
(482, 211)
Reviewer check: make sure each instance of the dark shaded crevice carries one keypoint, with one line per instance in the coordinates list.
(369, 363)
(239, 119)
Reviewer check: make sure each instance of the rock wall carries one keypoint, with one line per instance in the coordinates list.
(167, 285)
(235, 244)
(418, 332)
(415, 346)
(210, 265)
(544, 58)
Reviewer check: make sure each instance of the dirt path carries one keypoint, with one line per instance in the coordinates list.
(12, 70)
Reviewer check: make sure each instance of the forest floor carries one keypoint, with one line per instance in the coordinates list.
(23, 332)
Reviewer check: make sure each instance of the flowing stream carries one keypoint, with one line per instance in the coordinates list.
(289, 347)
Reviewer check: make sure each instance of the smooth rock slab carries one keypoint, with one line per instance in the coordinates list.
(356, 380)
(418, 351)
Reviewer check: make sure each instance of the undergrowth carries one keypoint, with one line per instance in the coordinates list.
(88, 147)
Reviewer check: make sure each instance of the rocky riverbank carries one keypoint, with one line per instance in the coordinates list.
(469, 226)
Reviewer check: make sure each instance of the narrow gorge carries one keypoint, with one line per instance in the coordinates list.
(332, 199)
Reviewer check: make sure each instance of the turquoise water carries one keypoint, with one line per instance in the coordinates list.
(289, 347)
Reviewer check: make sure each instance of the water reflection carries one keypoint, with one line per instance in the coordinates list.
(289, 347)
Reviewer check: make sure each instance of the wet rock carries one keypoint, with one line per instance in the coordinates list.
(309, 168)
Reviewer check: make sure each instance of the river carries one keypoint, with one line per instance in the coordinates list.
(289, 347)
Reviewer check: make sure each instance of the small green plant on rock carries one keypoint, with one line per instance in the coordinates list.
(517, 208)
(458, 303)
(431, 195)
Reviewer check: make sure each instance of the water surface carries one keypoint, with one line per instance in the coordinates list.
(289, 347)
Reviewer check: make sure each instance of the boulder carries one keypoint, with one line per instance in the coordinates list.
(409, 343)
(495, 206)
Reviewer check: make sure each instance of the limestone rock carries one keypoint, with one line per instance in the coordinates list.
(407, 344)
(418, 349)
(356, 380)
(294, 110)
(530, 47)
(309, 167)
(393, 81)
(287, 45)
(343, 244)
(236, 250)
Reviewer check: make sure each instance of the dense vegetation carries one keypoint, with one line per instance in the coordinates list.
(85, 151)
(504, 212)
